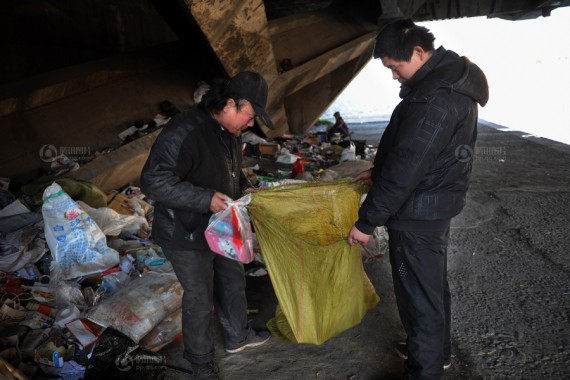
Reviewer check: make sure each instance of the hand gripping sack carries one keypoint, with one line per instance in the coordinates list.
(318, 278)
(77, 245)
(229, 231)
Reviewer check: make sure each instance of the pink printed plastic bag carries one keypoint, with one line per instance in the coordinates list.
(229, 231)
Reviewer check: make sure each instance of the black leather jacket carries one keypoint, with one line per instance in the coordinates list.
(422, 168)
(189, 161)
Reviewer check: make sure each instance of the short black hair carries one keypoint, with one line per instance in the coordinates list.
(398, 39)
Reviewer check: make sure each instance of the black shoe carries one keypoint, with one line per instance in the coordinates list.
(401, 350)
(253, 339)
(206, 371)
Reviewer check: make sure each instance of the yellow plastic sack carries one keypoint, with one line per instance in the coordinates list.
(318, 278)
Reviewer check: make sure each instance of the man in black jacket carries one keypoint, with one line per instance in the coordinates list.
(194, 167)
(419, 181)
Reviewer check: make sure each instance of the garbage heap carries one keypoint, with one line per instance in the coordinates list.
(84, 289)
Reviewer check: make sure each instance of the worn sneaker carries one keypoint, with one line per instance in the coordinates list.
(206, 371)
(254, 339)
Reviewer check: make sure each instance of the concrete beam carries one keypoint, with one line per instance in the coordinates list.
(305, 106)
(301, 38)
(324, 64)
(238, 33)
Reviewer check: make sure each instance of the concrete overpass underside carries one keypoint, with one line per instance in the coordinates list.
(78, 73)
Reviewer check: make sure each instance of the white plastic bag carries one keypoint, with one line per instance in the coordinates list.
(77, 245)
(229, 231)
(285, 157)
(349, 153)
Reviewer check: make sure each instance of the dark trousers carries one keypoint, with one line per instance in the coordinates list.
(419, 272)
(209, 279)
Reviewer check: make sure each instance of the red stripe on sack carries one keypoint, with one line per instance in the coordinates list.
(301, 295)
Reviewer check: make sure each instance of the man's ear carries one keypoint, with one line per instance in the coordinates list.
(230, 103)
(421, 53)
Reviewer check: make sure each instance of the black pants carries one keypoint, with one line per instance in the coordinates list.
(419, 272)
(209, 279)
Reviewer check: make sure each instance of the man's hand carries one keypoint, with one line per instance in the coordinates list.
(218, 202)
(250, 190)
(357, 237)
(365, 176)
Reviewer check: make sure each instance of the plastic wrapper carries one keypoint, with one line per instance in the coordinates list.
(164, 333)
(229, 231)
(112, 282)
(22, 247)
(67, 293)
(77, 245)
(137, 308)
(112, 223)
(318, 278)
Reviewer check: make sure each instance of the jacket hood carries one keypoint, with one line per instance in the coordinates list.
(447, 70)
(473, 83)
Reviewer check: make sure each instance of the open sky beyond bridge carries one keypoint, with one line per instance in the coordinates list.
(527, 64)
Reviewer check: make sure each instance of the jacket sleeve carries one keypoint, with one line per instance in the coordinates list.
(162, 176)
(423, 131)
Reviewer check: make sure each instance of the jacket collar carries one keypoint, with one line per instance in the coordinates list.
(423, 71)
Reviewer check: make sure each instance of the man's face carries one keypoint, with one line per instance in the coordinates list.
(237, 120)
(402, 71)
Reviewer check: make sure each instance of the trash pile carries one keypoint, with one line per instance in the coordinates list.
(75, 269)
(83, 288)
(306, 158)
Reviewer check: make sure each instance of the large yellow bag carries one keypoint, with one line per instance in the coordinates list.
(318, 278)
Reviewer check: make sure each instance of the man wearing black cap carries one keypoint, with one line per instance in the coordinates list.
(419, 181)
(194, 167)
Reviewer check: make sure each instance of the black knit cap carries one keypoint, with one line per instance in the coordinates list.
(252, 87)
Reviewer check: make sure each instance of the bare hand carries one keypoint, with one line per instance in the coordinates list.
(250, 190)
(365, 176)
(218, 202)
(357, 237)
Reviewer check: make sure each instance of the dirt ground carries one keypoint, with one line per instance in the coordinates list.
(508, 272)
